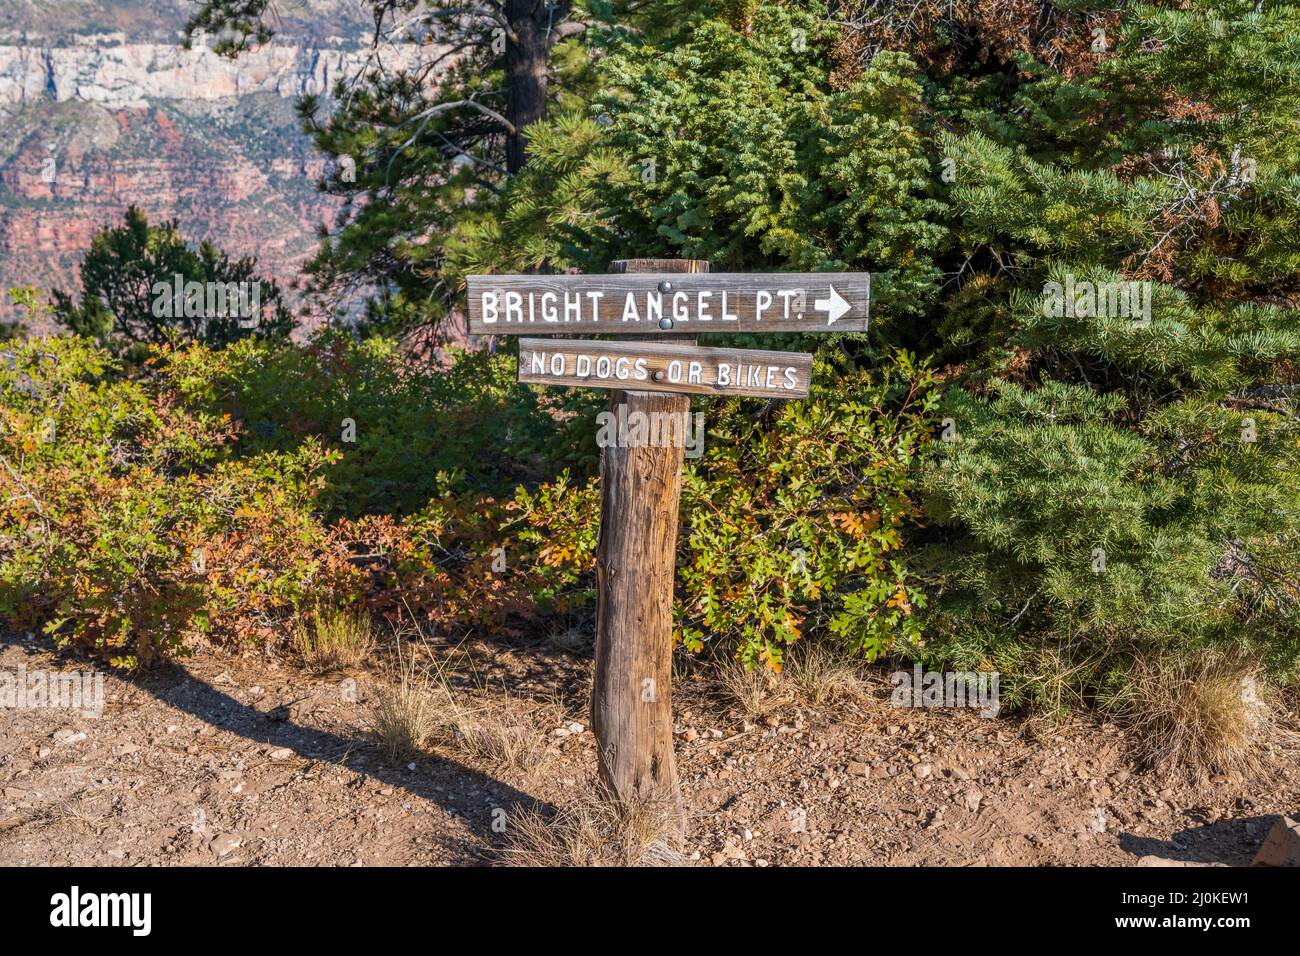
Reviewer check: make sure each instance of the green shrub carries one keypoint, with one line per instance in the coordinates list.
(124, 516)
(134, 516)
(406, 433)
(137, 514)
(800, 521)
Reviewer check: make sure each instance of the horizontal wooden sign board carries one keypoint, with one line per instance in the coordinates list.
(641, 302)
(663, 367)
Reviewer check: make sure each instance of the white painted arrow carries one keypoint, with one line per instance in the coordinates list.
(834, 307)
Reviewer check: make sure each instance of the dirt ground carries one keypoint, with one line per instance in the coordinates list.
(238, 761)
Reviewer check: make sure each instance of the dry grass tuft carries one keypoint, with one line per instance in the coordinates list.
(330, 639)
(509, 732)
(405, 715)
(814, 674)
(1052, 679)
(1206, 711)
(418, 709)
(421, 706)
(594, 832)
(819, 674)
(754, 691)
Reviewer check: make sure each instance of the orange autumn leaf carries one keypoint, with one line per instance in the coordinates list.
(556, 556)
(855, 524)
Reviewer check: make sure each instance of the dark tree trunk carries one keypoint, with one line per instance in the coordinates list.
(533, 25)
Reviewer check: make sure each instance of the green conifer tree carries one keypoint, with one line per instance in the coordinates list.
(1121, 478)
(1088, 215)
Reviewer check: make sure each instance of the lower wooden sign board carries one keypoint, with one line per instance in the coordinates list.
(656, 367)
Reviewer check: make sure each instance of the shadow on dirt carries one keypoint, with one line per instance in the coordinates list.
(1233, 842)
(471, 796)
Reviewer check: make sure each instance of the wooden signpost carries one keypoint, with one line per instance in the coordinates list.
(654, 302)
(664, 303)
(656, 367)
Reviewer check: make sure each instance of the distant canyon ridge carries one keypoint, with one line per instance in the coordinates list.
(92, 124)
(131, 75)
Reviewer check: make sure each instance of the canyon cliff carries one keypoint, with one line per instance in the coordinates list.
(91, 123)
(123, 75)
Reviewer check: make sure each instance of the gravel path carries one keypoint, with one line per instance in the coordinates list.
(239, 761)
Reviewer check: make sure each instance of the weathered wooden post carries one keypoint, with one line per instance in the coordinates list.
(641, 488)
(657, 306)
